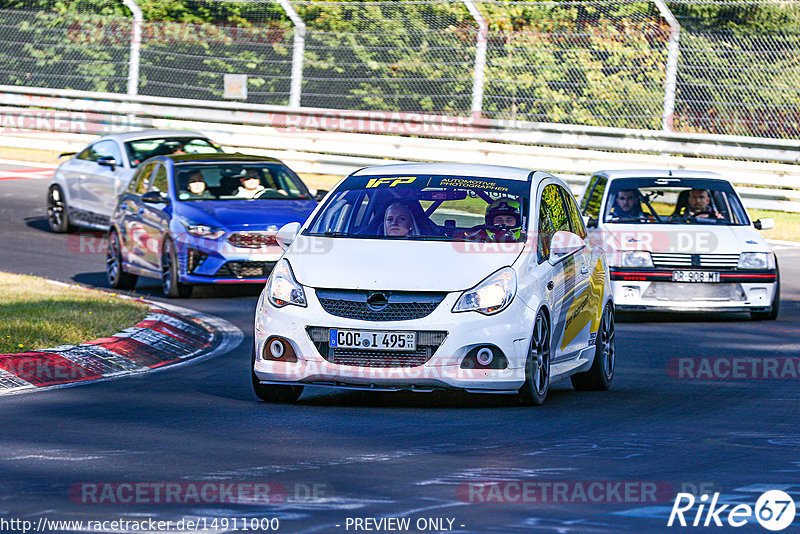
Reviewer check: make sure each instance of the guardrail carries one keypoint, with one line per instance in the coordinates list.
(336, 142)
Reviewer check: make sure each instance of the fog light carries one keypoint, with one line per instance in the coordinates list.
(631, 292)
(276, 348)
(485, 356)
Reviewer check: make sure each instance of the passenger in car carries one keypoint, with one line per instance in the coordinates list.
(196, 188)
(627, 205)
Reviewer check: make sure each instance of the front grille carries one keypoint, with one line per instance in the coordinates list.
(693, 261)
(246, 269)
(693, 291)
(392, 305)
(252, 239)
(427, 343)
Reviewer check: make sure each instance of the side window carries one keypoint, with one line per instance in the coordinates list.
(591, 203)
(141, 180)
(575, 219)
(587, 193)
(553, 217)
(84, 154)
(160, 179)
(102, 149)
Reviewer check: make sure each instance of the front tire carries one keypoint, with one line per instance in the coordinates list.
(272, 392)
(537, 365)
(170, 285)
(601, 373)
(57, 212)
(115, 274)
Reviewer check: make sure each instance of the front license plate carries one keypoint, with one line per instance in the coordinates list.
(695, 276)
(372, 340)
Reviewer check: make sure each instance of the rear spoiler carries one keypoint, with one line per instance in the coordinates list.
(66, 154)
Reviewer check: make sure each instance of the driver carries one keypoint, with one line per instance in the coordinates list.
(398, 221)
(503, 222)
(699, 205)
(627, 204)
(251, 184)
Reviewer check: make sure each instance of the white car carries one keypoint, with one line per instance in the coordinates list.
(681, 240)
(85, 187)
(437, 276)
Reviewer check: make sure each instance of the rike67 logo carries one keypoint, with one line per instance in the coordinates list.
(774, 510)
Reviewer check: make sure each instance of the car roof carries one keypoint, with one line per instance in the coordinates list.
(447, 169)
(148, 134)
(660, 173)
(219, 157)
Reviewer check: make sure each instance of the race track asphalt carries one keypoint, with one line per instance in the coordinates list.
(343, 455)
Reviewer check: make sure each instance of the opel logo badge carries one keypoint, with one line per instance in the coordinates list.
(377, 301)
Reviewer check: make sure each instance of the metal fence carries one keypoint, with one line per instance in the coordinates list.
(725, 67)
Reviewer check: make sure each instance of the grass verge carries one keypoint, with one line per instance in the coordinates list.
(37, 315)
(787, 225)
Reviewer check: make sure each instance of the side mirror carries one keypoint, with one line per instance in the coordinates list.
(591, 223)
(320, 194)
(287, 234)
(107, 161)
(764, 224)
(155, 197)
(563, 245)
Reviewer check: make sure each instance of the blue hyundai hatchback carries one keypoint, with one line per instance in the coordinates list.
(197, 219)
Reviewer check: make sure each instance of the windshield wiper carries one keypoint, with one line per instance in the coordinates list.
(332, 233)
(638, 218)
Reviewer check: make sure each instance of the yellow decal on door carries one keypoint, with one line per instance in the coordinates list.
(587, 307)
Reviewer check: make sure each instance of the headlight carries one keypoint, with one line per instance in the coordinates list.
(202, 230)
(283, 289)
(635, 258)
(491, 296)
(756, 260)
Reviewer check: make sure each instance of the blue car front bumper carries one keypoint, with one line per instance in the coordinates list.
(216, 261)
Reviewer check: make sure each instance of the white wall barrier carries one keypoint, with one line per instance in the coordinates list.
(338, 142)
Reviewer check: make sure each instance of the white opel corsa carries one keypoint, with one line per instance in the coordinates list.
(681, 240)
(437, 276)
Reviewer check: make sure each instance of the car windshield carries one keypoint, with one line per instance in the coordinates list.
(142, 149)
(674, 201)
(238, 181)
(428, 208)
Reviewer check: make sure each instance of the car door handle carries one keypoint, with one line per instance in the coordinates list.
(584, 269)
(550, 285)
(141, 211)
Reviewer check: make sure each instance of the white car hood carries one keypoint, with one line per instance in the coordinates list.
(323, 262)
(686, 239)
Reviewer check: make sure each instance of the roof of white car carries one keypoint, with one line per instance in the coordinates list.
(147, 134)
(447, 169)
(660, 173)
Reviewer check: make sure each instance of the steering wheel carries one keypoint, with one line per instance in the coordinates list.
(501, 233)
(270, 193)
